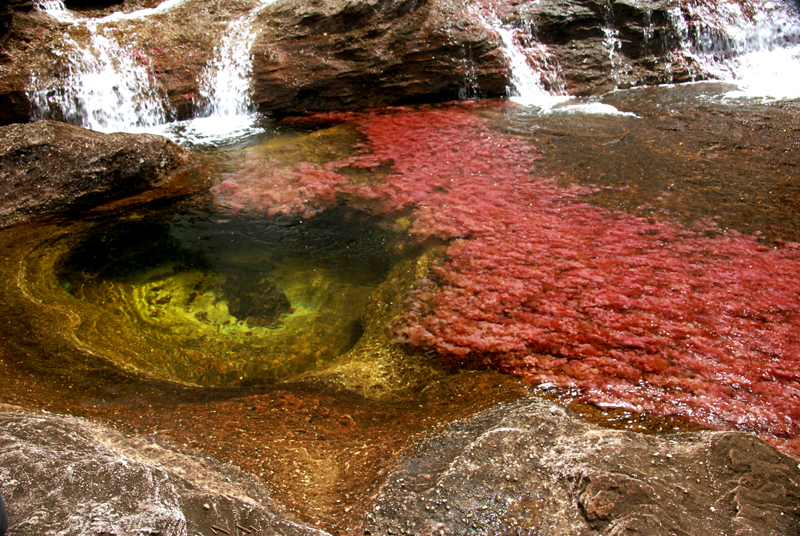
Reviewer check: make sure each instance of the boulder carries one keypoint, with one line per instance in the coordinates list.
(48, 167)
(313, 56)
(69, 476)
(532, 467)
(600, 45)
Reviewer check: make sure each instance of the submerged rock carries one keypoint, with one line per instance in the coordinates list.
(48, 167)
(529, 467)
(532, 467)
(70, 476)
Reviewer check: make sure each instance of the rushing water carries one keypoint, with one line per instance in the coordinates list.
(108, 87)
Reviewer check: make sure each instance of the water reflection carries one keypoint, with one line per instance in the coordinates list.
(689, 154)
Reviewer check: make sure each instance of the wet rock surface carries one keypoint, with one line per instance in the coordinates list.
(532, 467)
(48, 167)
(598, 46)
(324, 56)
(307, 56)
(315, 56)
(71, 476)
(527, 467)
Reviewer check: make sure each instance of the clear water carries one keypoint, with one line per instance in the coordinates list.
(183, 302)
(247, 299)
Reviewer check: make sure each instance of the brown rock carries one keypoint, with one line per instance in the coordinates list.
(534, 468)
(307, 57)
(647, 45)
(337, 55)
(48, 167)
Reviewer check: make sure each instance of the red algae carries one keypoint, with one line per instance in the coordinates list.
(637, 313)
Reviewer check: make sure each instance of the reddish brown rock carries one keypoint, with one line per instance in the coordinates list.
(315, 56)
(325, 56)
(48, 167)
(308, 55)
(600, 45)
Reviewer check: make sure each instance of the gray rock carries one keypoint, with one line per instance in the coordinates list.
(68, 476)
(534, 468)
(48, 167)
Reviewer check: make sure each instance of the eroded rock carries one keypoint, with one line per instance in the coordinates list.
(324, 56)
(600, 45)
(534, 468)
(48, 167)
(308, 56)
(318, 56)
(70, 476)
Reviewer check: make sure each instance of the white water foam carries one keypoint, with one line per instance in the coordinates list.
(527, 87)
(109, 87)
(227, 112)
(757, 51)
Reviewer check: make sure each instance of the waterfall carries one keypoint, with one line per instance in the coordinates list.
(109, 86)
(756, 47)
(612, 42)
(528, 82)
(528, 87)
(226, 112)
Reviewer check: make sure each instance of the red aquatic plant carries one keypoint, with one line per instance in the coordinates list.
(266, 186)
(634, 312)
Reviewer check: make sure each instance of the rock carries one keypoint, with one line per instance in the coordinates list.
(313, 56)
(532, 467)
(48, 167)
(90, 4)
(308, 56)
(341, 54)
(70, 476)
(601, 45)
(7, 9)
(3, 517)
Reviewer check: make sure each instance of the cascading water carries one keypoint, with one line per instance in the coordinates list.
(109, 87)
(756, 47)
(226, 109)
(527, 88)
(612, 42)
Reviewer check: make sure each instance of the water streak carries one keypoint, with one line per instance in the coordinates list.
(109, 86)
(226, 112)
(528, 87)
(757, 48)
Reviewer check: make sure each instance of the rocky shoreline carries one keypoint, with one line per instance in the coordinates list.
(530, 467)
(311, 57)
